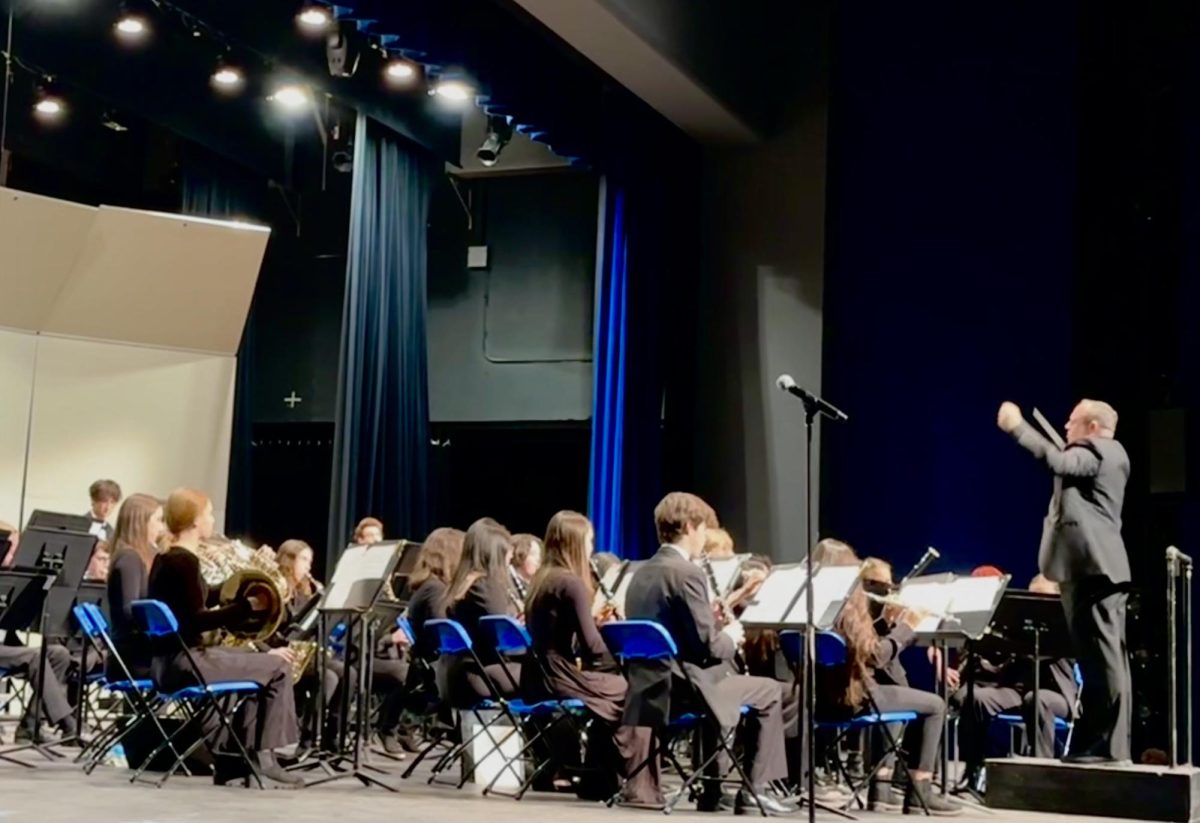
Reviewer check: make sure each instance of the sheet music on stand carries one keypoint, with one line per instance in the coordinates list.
(359, 577)
(726, 570)
(781, 602)
(961, 606)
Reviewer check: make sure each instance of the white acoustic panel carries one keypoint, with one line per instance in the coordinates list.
(42, 239)
(151, 419)
(16, 376)
(162, 280)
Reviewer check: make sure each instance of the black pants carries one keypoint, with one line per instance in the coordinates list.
(923, 735)
(1095, 609)
(765, 756)
(982, 703)
(267, 720)
(388, 681)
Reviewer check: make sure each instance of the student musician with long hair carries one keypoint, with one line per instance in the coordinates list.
(481, 587)
(861, 692)
(559, 616)
(267, 720)
(135, 545)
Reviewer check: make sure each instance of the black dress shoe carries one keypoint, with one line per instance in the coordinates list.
(745, 804)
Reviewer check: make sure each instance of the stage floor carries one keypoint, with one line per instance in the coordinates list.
(63, 794)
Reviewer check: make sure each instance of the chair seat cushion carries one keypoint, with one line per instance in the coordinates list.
(1018, 720)
(227, 687)
(864, 720)
(130, 686)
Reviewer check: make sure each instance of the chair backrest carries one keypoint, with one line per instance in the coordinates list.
(97, 617)
(830, 648)
(154, 618)
(85, 621)
(639, 640)
(1078, 672)
(505, 634)
(448, 636)
(403, 624)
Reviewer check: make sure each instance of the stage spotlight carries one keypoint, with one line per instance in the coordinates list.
(499, 132)
(453, 91)
(290, 98)
(342, 51)
(132, 27)
(228, 78)
(314, 18)
(399, 72)
(49, 108)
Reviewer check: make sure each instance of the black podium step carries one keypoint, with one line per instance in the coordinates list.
(1136, 792)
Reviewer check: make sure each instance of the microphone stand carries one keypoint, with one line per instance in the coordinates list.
(812, 407)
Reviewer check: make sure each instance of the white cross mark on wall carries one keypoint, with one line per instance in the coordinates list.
(292, 400)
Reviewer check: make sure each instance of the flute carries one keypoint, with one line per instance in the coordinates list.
(889, 600)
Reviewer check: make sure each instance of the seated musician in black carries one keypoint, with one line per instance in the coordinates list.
(1004, 685)
(427, 584)
(673, 591)
(481, 587)
(135, 545)
(868, 654)
(267, 720)
(559, 614)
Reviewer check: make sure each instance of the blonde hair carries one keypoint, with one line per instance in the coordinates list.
(364, 524)
(719, 543)
(1102, 414)
(183, 509)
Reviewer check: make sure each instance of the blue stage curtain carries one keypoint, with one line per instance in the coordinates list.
(380, 462)
(212, 188)
(626, 466)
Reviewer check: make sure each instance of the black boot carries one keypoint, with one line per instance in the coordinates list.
(921, 797)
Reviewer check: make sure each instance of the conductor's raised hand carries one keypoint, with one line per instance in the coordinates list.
(1009, 417)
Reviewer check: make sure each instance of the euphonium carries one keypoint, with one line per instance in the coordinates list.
(239, 572)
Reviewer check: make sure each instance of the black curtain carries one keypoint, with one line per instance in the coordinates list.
(212, 188)
(381, 447)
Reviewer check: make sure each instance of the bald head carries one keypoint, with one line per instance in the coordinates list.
(1091, 418)
(1043, 585)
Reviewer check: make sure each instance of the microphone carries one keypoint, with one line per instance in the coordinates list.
(788, 384)
(1174, 555)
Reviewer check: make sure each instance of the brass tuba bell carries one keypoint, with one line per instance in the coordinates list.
(241, 572)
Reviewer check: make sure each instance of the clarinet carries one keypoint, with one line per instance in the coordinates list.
(931, 554)
(722, 606)
(605, 591)
(518, 591)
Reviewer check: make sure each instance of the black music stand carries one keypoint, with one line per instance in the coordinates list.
(967, 605)
(357, 585)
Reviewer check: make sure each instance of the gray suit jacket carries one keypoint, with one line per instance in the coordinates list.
(674, 593)
(1082, 532)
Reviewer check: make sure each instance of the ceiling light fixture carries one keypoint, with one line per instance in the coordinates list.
(228, 78)
(132, 27)
(399, 72)
(290, 97)
(314, 18)
(453, 91)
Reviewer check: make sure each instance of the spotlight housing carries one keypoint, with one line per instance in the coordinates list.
(453, 91)
(499, 132)
(49, 108)
(342, 51)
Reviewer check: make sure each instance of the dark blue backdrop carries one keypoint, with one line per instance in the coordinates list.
(949, 270)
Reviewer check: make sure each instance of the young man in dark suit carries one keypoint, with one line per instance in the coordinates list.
(672, 590)
(1083, 552)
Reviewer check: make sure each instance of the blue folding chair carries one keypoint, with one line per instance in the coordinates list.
(154, 619)
(510, 639)
(830, 652)
(450, 640)
(139, 696)
(1061, 724)
(639, 642)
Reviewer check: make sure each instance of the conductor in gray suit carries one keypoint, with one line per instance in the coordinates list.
(1083, 552)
